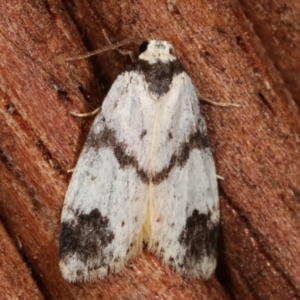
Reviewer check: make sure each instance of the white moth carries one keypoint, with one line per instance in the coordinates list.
(146, 176)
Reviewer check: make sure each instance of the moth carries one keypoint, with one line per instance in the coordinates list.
(145, 178)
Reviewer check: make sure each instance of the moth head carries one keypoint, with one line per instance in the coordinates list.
(154, 51)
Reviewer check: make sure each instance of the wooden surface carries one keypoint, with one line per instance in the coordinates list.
(277, 24)
(231, 58)
(16, 280)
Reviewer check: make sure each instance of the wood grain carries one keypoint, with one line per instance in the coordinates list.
(16, 281)
(276, 23)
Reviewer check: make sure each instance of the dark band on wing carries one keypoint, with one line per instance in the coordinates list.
(107, 139)
(86, 235)
(195, 141)
(199, 238)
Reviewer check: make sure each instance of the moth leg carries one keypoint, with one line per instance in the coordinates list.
(84, 115)
(224, 104)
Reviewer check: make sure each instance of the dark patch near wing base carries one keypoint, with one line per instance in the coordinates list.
(200, 237)
(158, 75)
(107, 139)
(86, 235)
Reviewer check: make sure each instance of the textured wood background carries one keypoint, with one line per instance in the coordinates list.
(240, 51)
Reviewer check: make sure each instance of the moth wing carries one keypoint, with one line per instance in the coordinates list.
(105, 203)
(183, 208)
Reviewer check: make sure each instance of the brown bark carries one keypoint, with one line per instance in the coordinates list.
(16, 281)
(255, 146)
(277, 24)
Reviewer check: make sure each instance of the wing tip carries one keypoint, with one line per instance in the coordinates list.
(86, 274)
(73, 275)
(74, 270)
(185, 263)
(203, 268)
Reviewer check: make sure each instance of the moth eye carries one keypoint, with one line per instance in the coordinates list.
(144, 46)
(171, 51)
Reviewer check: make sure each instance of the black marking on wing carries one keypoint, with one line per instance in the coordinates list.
(199, 237)
(158, 75)
(195, 141)
(143, 133)
(107, 139)
(87, 235)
